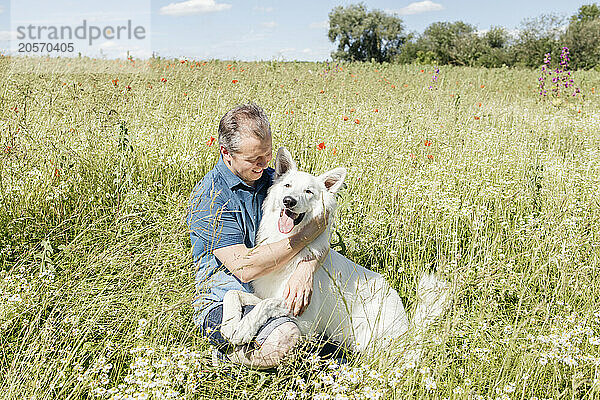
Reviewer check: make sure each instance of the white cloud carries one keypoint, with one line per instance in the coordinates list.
(305, 54)
(419, 7)
(270, 24)
(190, 7)
(112, 49)
(263, 9)
(319, 25)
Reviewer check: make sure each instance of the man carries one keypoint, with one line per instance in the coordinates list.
(225, 213)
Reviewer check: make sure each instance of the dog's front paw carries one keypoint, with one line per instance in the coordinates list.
(275, 307)
(228, 331)
(243, 334)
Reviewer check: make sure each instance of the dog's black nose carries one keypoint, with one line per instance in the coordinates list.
(289, 201)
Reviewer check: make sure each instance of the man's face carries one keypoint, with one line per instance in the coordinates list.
(251, 159)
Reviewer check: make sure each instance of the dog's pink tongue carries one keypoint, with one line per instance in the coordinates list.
(285, 223)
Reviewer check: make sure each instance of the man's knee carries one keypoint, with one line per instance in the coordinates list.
(272, 350)
(278, 344)
(284, 337)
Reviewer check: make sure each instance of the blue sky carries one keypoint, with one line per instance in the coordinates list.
(253, 29)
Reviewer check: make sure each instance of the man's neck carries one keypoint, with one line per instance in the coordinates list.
(251, 183)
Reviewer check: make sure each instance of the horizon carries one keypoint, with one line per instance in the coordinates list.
(251, 30)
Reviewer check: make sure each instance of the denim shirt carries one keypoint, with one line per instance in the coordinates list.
(224, 211)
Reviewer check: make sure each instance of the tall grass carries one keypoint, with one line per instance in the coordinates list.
(476, 176)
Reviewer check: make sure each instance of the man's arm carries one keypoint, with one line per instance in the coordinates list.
(248, 264)
(299, 288)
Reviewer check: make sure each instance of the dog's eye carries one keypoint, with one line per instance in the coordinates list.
(308, 191)
(287, 185)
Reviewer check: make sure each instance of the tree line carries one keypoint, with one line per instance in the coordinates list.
(363, 35)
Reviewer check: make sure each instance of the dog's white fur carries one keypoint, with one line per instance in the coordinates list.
(351, 304)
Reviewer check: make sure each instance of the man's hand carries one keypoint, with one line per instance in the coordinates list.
(299, 288)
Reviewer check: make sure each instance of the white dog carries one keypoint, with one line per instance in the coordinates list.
(351, 304)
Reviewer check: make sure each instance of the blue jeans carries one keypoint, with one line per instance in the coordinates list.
(211, 326)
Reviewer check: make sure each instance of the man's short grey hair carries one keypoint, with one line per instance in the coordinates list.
(245, 119)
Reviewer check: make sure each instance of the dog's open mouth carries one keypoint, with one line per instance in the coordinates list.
(288, 219)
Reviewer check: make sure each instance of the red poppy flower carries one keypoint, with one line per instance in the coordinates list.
(345, 118)
(376, 110)
(321, 91)
(422, 70)
(115, 82)
(393, 86)
(357, 121)
(321, 146)
(210, 141)
(128, 87)
(482, 86)
(163, 79)
(234, 81)
(476, 117)
(430, 157)
(478, 104)
(427, 143)
(334, 151)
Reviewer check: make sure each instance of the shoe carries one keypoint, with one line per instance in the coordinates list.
(219, 358)
(341, 361)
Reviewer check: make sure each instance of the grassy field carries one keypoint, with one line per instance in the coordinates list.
(473, 173)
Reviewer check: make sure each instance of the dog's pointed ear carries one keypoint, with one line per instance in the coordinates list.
(333, 179)
(283, 162)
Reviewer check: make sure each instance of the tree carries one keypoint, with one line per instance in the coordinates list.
(537, 37)
(451, 42)
(496, 38)
(586, 13)
(364, 35)
(582, 37)
(495, 46)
